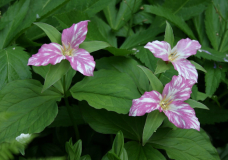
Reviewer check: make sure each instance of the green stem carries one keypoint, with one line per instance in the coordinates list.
(70, 112)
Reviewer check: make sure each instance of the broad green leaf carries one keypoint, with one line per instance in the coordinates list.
(118, 144)
(124, 155)
(212, 25)
(53, 34)
(167, 76)
(141, 38)
(224, 42)
(31, 110)
(93, 46)
(184, 144)
(128, 66)
(107, 122)
(153, 121)
(126, 11)
(107, 89)
(221, 7)
(160, 11)
(212, 79)
(169, 37)
(194, 92)
(63, 119)
(13, 65)
(14, 15)
(119, 52)
(43, 70)
(199, 67)
(162, 66)
(136, 151)
(112, 156)
(4, 2)
(146, 57)
(154, 81)
(142, 18)
(195, 104)
(110, 13)
(201, 96)
(86, 157)
(211, 54)
(74, 151)
(55, 73)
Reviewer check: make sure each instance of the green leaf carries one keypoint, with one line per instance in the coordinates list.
(153, 121)
(14, 15)
(212, 25)
(194, 92)
(195, 104)
(107, 122)
(17, 98)
(163, 12)
(221, 7)
(201, 96)
(74, 151)
(143, 17)
(14, 65)
(211, 54)
(112, 156)
(93, 46)
(167, 76)
(107, 89)
(162, 66)
(199, 67)
(55, 73)
(212, 79)
(118, 144)
(128, 66)
(126, 10)
(154, 81)
(4, 2)
(63, 119)
(86, 157)
(124, 155)
(110, 13)
(169, 37)
(136, 151)
(146, 57)
(53, 34)
(119, 52)
(184, 144)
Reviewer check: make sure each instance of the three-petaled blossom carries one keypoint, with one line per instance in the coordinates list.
(177, 56)
(171, 102)
(79, 58)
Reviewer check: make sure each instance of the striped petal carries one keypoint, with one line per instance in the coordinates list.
(178, 89)
(47, 54)
(159, 49)
(75, 35)
(182, 116)
(186, 69)
(145, 104)
(82, 61)
(185, 48)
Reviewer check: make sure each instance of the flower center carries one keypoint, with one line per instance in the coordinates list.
(165, 102)
(67, 50)
(173, 56)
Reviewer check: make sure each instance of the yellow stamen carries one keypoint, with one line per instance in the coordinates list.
(67, 51)
(173, 56)
(165, 102)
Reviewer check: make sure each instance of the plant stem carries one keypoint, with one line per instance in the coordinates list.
(70, 112)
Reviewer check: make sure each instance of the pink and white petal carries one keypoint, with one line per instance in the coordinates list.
(75, 35)
(82, 61)
(185, 48)
(145, 104)
(47, 54)
(182, 115)
(186, 69)
(159, 49)
(178, 89)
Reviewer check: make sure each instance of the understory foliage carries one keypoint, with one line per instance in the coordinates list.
(77, 107)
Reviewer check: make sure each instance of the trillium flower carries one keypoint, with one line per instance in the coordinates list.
(177, 56)
(79, 58)
(171, 102)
